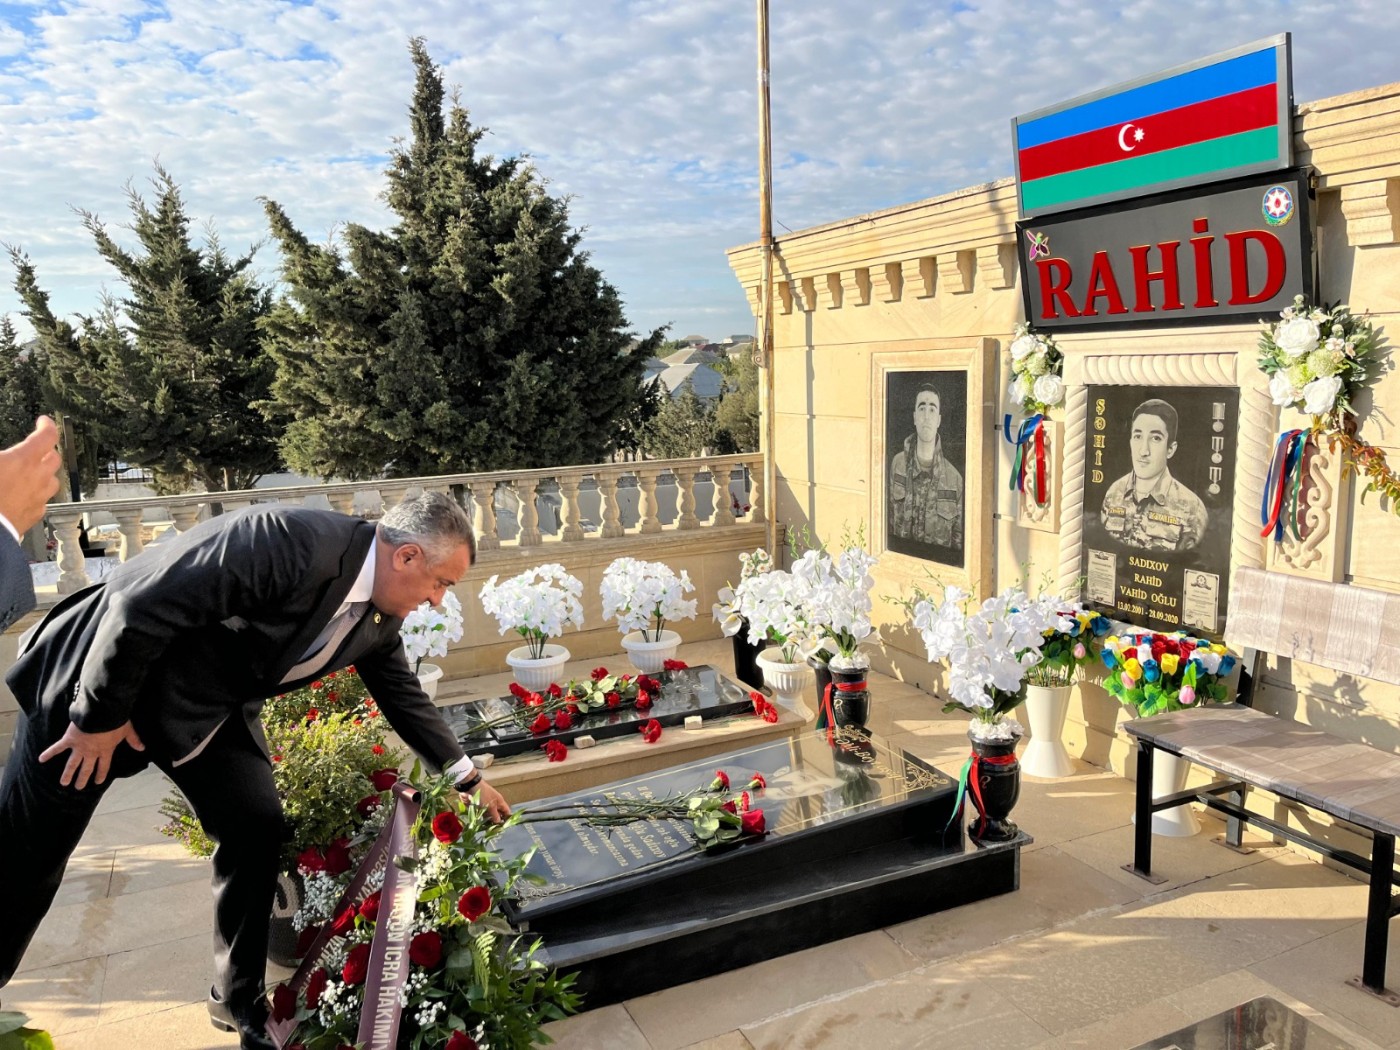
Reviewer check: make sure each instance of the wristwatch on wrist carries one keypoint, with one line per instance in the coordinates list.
(470, 783)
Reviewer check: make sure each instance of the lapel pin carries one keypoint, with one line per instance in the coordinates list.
(377, 617)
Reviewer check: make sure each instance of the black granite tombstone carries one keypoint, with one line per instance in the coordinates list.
(859, 837)
(1260, 1024)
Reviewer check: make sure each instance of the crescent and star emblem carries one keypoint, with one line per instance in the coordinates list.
(1137, 136)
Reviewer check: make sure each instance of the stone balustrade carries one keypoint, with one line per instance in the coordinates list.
(511, 508)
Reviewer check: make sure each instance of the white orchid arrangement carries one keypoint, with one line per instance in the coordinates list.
(1037, 366)
(837, 603)
(428, 631)
(775, 604)
(643, 595)
(726, 609)
(988, 651)
(1316, 359)
(537, 604)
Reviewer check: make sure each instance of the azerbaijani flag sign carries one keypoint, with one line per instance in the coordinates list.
(1222, 116)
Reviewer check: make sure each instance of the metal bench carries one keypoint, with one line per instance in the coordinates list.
(1351, 781)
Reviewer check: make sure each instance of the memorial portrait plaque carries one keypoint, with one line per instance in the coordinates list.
(926, 464)
(1159, 482)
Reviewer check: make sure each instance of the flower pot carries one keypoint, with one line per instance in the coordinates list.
(536, 674)
(1169, 774)
(994, 785)
(821, 671)
(1045, 755)
(787, 680)
(283, 939)
(428, 676)
(846, 697)
(745, 657)
(650, 657)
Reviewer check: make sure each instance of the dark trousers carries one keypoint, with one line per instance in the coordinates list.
(229, 786)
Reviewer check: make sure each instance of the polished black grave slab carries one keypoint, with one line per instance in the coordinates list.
(698, 690)
(1260, 1024)
(860, 837)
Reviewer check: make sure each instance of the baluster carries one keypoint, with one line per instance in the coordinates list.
(755, 491)
(529, 513)
(184, 516)
(724, 500)
(129, 525)
(72, 573)
(484, 495)
(647, 511)
(607, 492)
(392, 493)
(342, 500)
(569, 513)
(685, 496)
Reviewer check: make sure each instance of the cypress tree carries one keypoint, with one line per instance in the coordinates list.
(471, 335)
(21, 387)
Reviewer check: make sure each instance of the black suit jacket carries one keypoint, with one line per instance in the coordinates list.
(204, 627)
(16, 583)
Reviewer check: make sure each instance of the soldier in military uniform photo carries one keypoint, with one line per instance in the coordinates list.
(925, 490)
(1148, 508)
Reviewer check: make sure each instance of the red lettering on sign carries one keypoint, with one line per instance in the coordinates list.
(1143, 278)
(1275, 266)
(1055, 279)
(1205, 275)
(1103, 285)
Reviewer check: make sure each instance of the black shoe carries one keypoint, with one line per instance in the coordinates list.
(250, 1024)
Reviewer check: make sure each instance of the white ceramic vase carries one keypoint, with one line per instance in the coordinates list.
(1045, 755)
(1169, 774)
(536, 673)
(789, 682)
(650, 657)
(428, 676)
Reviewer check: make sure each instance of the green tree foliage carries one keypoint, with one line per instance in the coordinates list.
(736, 417)
(684, 426)
(21, 387)
(471, 335)
(166, 376)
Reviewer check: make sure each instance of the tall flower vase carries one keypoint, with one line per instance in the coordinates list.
(846, 700)
(787, 680)
(821, 673)
(536, 673)
(649, 657)
(1046, 756)
(746, 658)
(1169, 773)
(994, 784)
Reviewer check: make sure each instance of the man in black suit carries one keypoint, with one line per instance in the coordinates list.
(169, 660)
(28, 477)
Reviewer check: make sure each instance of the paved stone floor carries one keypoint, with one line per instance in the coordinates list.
(1083, 955)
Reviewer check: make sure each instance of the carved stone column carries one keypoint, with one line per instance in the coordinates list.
(484, 495)
(392, 493)
(529, 513)
(724, 514)
(129, 525)
(184, 516)
(342, 501)
(755, 469)
(568, 488)
(685, 509)
(72, 574)
(612, 519)
(649, 519)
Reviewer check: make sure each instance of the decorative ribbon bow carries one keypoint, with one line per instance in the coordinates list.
(1284, 480)
(971, 774)
(1032, 433)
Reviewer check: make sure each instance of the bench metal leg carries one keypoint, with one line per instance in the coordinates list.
(1379, 908)
(1142, 831)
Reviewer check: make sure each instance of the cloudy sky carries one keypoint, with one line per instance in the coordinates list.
(643, 111)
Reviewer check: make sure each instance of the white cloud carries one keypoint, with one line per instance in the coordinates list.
(643, 111)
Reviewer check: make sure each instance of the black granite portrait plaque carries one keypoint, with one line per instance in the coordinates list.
(1159, 484)
(926, 464)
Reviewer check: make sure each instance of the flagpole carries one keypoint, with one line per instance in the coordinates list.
(764, 349)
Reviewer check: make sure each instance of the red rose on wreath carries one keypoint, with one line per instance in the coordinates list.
(311, 861)
(613, 698)
(367, 805)
(425, 950)
(651, 731)
(729, 807)
(284, 1003)
(344, 922)
(315, 985)
(555, 750)
(674, 665)
(338, 857)
(356, 967)
(753, 823)
(460, 1041)
(643, 700)
(475, 903)
(384, 779)
(369, 908)
(446, 827)
(562, 720)
(541, 724)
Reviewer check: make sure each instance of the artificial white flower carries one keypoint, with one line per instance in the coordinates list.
(1282, 391)
(726, 613)
(1020, 388)
(1297, 337)
(1023, 346)
(537, 604)
(1320, 396)
(428, 632)
(643, 595)
(1049, 389)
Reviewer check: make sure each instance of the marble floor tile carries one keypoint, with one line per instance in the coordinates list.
(147, 788)
(678, 1016)
(157, 978)
(1121, 1030)
(138, 869)
(184, 1028)
(610, 1026)
(59, 999)
(88, 877)
(113, 829)
(728, 1041)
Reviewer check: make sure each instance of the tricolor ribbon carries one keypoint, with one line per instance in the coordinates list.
(1283, 485)
(971, 774)
(1031, 437)
(828, 714)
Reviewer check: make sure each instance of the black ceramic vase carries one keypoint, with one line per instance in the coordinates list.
(850, 699)
(822, 673)
(998, 786)
(746, 667)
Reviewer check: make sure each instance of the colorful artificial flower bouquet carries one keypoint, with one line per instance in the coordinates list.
(837, 603)
(537, 604)
(1069, 642)
(1036, 364)
(1157, 673)
(726, 609)
(427, 631)
(643, 595)
(1316, 359)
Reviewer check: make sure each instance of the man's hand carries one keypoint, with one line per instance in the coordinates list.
(90, 754)
(495, 804)
(28, 476)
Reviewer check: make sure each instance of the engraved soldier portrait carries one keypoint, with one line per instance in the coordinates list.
(924, 483)
(1148, 508)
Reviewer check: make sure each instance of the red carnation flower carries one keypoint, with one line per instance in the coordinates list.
(338, 857)
(555, 751)
(377, 749)
(769, 713)
(367, 805)
(573, 708)
(350, 669)
(446, 827)
(369, 907)
(651, 731)
(562, 720)
(647, 682)
(356, 967)
(541, 724)
(643, 700)
(721, 781)
(555, 691)
(599, 673)
(613, 698)
(315, 985)
(753, 823)
(425, 950)
(384, 779)
(517, 690)
(460, 1041)
(475, 903)
(759, 701)
(745, 803)
(757, 780)
(284, 1003)
(674, 665)
(533, 700)
(729, 807)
